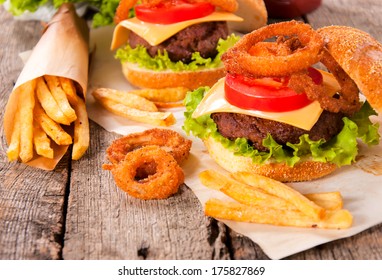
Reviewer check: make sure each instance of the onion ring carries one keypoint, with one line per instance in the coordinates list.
(123, 10)
(169, 140)
(237, 60)
(164, 182)
(301, 82)
(347, 100)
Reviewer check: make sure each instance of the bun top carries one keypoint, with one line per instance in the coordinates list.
(360, 55)
(254, 14)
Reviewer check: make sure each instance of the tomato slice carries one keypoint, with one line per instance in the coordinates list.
(266, 94)
(173, 12)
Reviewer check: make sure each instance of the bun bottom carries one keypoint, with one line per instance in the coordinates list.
(304, 171)
(145, 78)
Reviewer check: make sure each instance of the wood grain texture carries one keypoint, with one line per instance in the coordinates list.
(31, 201)
(77, 212)
(103, 222)
(364, 15)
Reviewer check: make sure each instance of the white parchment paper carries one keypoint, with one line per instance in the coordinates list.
(360, 188)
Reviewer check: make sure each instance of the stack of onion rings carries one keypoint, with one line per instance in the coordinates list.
(296, 48)
(146, 164)
(169, 140)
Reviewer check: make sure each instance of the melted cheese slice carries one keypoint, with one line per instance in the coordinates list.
(157, 33)
(305, 118)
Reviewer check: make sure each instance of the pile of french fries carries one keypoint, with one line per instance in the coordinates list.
(142, 105)
(44, 105)
(258, 199)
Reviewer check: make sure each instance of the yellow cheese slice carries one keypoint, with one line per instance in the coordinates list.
(305, 118)
(157, 33)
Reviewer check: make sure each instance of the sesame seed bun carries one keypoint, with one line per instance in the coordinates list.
(360, 56)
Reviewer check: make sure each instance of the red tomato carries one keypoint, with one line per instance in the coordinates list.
(176, 11)
(315, 75)
(266, 94)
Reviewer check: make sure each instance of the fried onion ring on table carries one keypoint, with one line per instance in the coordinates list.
(160, 184)
(238, 60)
(168, 140)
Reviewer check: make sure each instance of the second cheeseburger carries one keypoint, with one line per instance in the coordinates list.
(276, 115)
(171, 43)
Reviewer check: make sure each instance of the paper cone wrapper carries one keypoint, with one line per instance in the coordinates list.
(62, 51)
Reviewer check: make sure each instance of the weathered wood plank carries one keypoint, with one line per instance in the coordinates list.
(103, 222)
(31, 201)
(365, 15)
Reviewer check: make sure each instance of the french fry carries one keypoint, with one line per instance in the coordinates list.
(69, 88)
(154, 118)
(14, 146)
(241, 192)
(81, 130)
(37, 120)
(163, 94)
(51, 128)
(281, 190)
(338, 219)
(254, 196)
(60, 97)
(26, 103)
(327, 200)
(49, 104)
(167, 105)
(41, 142)
(125, 98)
(266, 201)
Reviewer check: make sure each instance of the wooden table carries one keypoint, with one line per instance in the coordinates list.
(76, 211)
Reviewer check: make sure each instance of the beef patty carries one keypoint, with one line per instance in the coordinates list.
(232, 126)
(202, 38)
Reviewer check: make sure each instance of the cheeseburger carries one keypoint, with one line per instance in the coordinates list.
(276, 115)
(170, 43)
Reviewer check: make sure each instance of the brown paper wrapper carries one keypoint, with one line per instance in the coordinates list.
(63, 50)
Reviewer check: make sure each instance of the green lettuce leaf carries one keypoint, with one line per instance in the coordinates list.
(106, 12)
(367, 131)
(104, 16)
(341, 149)
(162, 62)
(18, 7)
